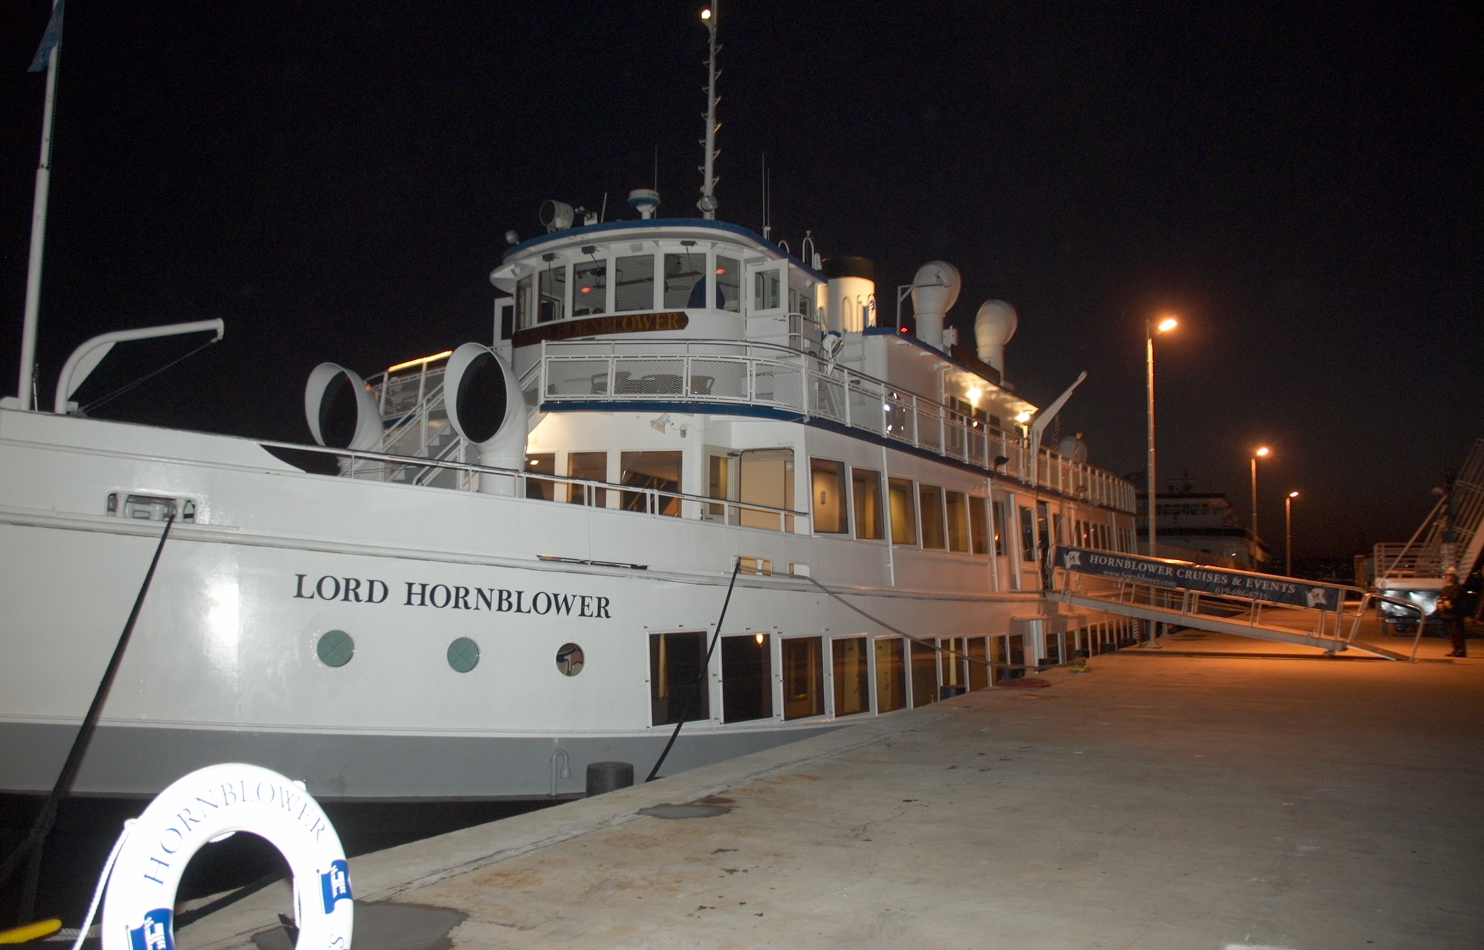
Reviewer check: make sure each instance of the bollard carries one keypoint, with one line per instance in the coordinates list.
(608, 776)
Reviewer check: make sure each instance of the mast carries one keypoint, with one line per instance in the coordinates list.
(707, 204)
(48, 53)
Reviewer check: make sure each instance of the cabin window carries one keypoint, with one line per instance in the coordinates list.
(525, 302)
(569, 659)
(852, 676)
(677, 687)
(954, 665)
(903, 511)
(930, 499)
(593, 467)
(633, 283)
(766, 477)
(978, 664)
(958, 521)
(1027, 535)
(1001, 525)
(541, 463)
(803, 678)
(718, 485)
(867, 488)
(766, 290)
(685, 280)
(827, 493)
(589, 288)
(891, 675)
(924, 674)
(979, 524)
(656, 476)
(553, 294)
(747, 678)
(728, 284)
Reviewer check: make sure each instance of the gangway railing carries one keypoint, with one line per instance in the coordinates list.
(1264, 606)
(1449, 536)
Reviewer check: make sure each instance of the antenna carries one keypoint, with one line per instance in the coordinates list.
(707, 204)
(767, 224)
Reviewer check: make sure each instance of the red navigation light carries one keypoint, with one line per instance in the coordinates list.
(903, 329)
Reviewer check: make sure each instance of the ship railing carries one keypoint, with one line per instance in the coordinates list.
(544, 487)
(761, 374)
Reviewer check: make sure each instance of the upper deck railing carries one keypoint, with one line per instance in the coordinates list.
(759, 374)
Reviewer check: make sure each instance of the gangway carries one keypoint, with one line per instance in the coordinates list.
(1247, 604)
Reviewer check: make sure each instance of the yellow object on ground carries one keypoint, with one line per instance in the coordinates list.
(42, 928)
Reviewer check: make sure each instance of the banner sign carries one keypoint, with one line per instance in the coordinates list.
(1199, 577)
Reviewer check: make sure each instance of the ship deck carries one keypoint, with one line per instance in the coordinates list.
(1222, 800)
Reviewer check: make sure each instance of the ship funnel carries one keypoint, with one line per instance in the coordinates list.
(994, 325)
(850, 306)
(340, 410)
(555, 215)
(645, 201)
(935, 288)
(486, 407)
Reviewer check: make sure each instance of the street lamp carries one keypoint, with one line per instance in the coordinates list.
(1288, 532)
(1152, 484)
(1260, 453)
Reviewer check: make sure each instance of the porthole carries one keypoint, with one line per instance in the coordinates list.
(335, 648)
(463, 655)
(569, 659)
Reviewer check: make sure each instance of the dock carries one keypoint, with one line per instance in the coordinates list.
(1170, 798)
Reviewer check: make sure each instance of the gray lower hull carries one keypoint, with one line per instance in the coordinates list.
(134, 761)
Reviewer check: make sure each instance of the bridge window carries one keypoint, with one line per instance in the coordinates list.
(683, 274)
(852, 676)
(728, 284)
(891, 675)
(803, 678)
(766, 290)
(525, 302)
(589, 288)
(553, 294)
(930, 498)
(746, 678)
(867, 488)
(633, 283)
(827, 493)
(903, 512)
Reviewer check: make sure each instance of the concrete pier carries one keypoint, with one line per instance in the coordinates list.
(1157, 801)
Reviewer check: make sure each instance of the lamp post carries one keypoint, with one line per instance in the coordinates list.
(1288, 532)
(1152, 483)
(1260, 453)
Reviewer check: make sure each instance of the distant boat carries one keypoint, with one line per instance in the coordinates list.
(1202, 527)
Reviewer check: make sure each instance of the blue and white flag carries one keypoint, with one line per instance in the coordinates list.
(49, 39)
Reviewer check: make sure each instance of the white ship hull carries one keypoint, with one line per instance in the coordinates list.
(223, 663)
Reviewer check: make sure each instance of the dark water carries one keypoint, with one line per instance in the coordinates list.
(86, 829)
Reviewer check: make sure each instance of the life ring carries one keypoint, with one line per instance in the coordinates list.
(209, 804)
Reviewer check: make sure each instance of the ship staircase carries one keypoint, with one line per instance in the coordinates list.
(1268, 607)
(1450, 536)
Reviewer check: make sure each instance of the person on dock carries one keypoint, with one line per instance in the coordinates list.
(1450, 611)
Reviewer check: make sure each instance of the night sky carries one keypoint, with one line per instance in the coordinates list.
(334, 179)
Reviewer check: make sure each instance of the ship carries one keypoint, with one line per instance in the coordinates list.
(687, 482)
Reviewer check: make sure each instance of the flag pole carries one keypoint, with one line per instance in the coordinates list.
(50, 51)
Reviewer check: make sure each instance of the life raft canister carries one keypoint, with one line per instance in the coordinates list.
(205, 806)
